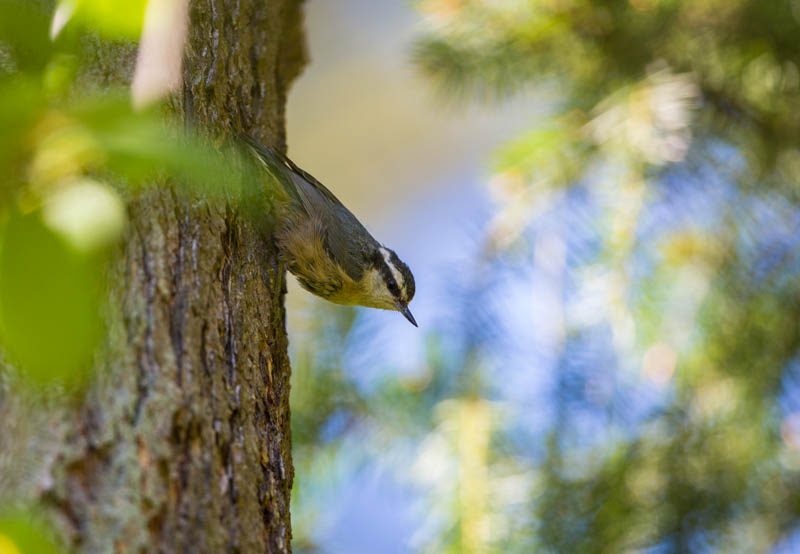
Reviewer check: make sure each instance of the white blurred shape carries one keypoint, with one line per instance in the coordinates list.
(86, 213)
(658, 363)
(158, 63)
(691, 285)
(550, 253)
(623, 327)
(601, 298)
(61, 16)
(652, 119)
(517, 213)
(513, 489)
(590, 305)
(435, 461)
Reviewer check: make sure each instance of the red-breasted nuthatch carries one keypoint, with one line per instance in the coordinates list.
(326, 248)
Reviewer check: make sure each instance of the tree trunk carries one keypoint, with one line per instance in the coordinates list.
(183, 443)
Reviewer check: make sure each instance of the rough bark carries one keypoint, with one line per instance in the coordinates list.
(183, 443)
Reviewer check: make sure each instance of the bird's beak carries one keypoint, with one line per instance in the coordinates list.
(403, 309)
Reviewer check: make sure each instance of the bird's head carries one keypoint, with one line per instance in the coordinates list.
(388, 284)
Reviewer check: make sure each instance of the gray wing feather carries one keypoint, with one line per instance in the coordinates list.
(343, 232)
(344, 236)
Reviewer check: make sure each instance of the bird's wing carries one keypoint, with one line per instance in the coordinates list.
(343, 234)
(338, 224)
(309, 179)
(341, 228)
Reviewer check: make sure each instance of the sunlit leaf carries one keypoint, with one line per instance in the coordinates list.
(22, 533)
(105, 133)
(112, 18)
(19, 103)
(86, 213)
(59, 74)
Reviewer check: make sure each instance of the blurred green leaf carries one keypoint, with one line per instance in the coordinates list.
(59, 74)
(111, 18)
(141, 145)
(50, 297)
(20, 102)
(554, 154)
(24, 28)
(22, 533)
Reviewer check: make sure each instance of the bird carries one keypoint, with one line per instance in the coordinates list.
(325, 246)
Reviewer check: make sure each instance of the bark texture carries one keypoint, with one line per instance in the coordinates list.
(183, 443)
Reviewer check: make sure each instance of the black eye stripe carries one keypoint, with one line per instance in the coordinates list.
(388, 278)
(379, 263)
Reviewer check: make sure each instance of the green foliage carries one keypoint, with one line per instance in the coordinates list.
(23, 30)
(70, 156)
(50, 295)
(638, 80)
(742, 55)
(112, 18)
(22, 533)
(669, 169)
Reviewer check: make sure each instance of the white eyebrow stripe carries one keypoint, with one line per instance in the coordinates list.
(398, 277)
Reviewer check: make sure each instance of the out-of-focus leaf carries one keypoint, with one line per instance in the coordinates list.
(140, 149)
(104, 133)
(59, 74)
(21, 533)
(23, 27)
(111, 18)
(553, 154)
(50, 296)
(140, 145)
(488, 50)
(19, 102)
(63, 149)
